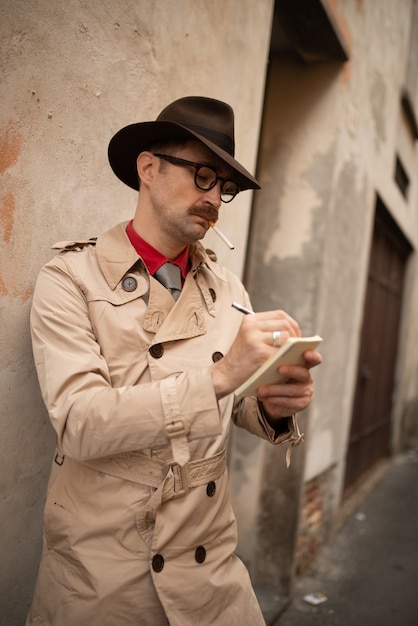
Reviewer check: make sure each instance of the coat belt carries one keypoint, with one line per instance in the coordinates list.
(145, 470)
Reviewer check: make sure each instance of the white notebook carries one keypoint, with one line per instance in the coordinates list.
(290, 353)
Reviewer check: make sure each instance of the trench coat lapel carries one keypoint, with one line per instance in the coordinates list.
(171, 320)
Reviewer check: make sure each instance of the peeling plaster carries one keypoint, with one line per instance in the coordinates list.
(7, 209)
(10, 145)
(290, 229)
(296, 216)
(378, 107)
(345, 254)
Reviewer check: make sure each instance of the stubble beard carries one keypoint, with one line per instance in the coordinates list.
(186, 230)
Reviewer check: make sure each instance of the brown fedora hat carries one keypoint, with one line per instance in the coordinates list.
(209, 121)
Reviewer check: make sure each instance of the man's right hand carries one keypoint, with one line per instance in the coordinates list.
(252, 346)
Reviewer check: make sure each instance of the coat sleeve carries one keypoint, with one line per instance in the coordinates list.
(249, 414)
(91, 417)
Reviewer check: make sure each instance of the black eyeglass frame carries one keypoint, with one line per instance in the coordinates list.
(198, 166)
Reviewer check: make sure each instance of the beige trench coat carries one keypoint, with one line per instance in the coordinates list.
(138, 526)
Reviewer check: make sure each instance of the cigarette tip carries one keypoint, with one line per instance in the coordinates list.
(222, 236)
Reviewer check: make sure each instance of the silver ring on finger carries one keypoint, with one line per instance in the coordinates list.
(276, 337)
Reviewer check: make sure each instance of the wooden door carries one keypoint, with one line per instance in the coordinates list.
(370, 433)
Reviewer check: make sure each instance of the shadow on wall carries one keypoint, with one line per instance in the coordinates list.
(27, 449)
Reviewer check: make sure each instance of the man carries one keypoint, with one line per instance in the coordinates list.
(139, 386)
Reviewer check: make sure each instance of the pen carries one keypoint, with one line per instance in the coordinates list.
(222, 236)
(241, 308)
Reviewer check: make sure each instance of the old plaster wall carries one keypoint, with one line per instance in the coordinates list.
(371, 131)
(330, 135)
(72, 74)
(299, 145)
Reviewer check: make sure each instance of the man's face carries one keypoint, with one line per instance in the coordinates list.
(182, 209)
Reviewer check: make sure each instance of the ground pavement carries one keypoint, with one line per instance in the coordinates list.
(369, 571)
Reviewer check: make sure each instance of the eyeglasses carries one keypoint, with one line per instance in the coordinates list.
(205, 177)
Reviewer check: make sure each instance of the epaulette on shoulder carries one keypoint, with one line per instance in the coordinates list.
(74, 245)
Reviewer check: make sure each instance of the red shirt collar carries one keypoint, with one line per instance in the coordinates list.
(154, 259)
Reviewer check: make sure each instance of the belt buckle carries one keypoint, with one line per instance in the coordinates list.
(176, 427)
(181, 480)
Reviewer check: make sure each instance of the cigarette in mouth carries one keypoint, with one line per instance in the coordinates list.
(222, 236)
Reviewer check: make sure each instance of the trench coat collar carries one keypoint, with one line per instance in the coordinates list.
(117, 256)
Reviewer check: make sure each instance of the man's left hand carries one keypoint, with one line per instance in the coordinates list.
(295, 394)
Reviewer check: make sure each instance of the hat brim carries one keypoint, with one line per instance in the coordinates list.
(130, 141)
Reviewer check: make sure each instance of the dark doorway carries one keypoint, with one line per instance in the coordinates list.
(371, 420)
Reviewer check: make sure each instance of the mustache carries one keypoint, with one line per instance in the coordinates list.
(205, 211)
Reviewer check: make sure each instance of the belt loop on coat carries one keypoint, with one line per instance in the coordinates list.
(175, 427)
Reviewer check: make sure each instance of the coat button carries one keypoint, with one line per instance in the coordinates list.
(213, 294)
(157, 350)
(217, 356)
(129, 283)
(211, 489)
(200, 554)
(158, 563)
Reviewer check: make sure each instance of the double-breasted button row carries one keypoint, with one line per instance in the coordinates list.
(158, 559)
(157, 351)
(129, 283)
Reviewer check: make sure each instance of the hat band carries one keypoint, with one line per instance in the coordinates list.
(220, 139)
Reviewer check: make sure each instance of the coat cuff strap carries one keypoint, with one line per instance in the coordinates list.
(175, 427)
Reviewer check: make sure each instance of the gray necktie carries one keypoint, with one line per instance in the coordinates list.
(169, 275)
